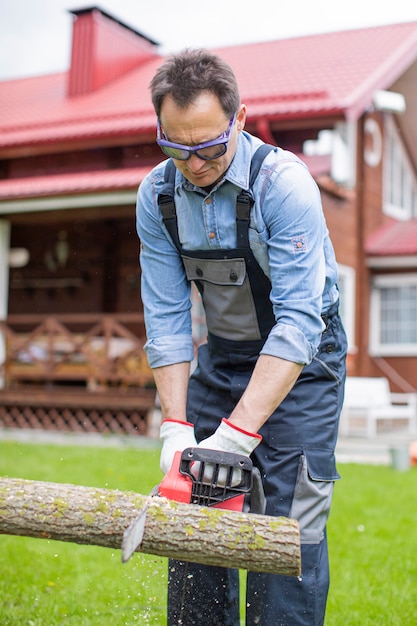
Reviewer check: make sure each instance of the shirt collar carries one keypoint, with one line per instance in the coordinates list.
(239, 169)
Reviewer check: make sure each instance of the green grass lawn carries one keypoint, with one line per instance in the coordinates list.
(372, 538)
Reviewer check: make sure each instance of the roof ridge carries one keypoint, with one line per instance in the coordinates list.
(333, 33)
(394, 63)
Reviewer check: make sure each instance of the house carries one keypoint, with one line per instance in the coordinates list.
(74, 147)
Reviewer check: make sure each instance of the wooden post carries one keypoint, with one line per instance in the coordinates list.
(88, 515)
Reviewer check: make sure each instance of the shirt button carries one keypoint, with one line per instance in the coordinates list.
(199, 271)
(212, 235)
(233, 276)
(329, 349)
(207, 200)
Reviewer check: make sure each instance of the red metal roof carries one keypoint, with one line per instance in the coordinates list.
(320, 75)
(393, 239)
(74, 183)
(36, 110)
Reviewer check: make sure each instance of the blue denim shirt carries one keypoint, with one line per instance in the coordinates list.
(288, 236)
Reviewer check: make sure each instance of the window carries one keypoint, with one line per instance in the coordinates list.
(400, 185)
(394, 315)
(346, 284)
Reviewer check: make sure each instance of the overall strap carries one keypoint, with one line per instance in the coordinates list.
(244, 201)
(166, 203)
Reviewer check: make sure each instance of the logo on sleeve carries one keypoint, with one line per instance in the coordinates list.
(299, 244)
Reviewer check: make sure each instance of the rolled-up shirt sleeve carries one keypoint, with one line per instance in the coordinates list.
(289, 343)
(170, 349)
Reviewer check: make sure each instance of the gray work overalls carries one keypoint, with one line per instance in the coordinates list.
(296, 455)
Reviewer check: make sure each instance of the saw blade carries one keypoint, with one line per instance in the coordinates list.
(133, 535)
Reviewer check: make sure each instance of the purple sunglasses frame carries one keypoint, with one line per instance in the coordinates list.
(190, 150)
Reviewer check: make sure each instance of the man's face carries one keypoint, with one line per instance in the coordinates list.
(202, 121)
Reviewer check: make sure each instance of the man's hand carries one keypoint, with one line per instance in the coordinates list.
(228, 438)
(176, 435)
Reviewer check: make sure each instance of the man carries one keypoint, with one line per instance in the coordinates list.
(269, 381)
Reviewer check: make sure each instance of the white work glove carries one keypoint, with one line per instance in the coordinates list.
(228, 438)
(175, 435)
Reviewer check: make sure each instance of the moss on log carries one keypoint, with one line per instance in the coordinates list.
(87, 515)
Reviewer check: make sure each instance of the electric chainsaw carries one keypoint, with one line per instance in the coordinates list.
(203, 477)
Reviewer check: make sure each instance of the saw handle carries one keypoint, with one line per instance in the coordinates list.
(223, 466)
(246, 495)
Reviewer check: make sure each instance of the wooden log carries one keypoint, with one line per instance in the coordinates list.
(88, 515)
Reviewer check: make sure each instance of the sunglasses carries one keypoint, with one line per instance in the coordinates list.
(207, 151)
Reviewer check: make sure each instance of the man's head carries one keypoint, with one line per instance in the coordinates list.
(186, 75)
(196, 99)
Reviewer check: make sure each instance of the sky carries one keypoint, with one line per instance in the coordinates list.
(35, 35)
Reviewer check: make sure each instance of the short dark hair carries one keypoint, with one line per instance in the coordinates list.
(185, 75)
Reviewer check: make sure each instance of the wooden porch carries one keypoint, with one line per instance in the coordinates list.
(80, 372)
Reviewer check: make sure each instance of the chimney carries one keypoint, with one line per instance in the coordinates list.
(103, 49)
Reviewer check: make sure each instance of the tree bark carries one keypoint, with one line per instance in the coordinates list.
(87, 515)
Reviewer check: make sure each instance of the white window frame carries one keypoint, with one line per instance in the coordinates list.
(377, 348)
(347, 283)
(400, 183)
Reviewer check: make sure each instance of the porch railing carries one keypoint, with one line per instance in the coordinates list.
(93, 350)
